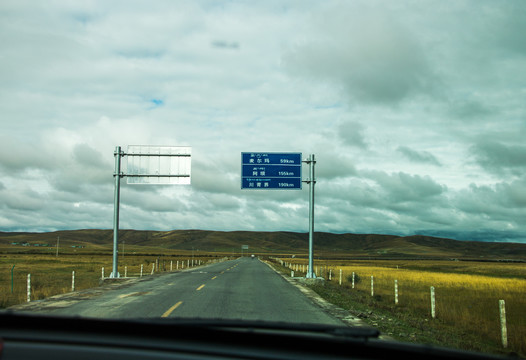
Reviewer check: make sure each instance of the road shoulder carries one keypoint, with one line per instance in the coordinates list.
(337, 312)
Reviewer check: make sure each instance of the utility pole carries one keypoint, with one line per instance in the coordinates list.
(58, 241)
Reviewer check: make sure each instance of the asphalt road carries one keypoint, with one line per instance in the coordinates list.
(245, 289)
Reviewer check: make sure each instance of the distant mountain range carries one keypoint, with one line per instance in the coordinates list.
(279, 242)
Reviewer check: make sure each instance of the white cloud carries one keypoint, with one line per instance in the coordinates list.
(366, 51)
(415, 112)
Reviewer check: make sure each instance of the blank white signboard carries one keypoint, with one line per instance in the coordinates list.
(160, 165)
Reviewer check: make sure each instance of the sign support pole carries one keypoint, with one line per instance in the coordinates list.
(116, 199)
(311, 161)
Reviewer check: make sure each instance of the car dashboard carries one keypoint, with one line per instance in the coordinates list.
(57, 338)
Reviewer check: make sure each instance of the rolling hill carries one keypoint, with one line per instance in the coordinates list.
(325, 244)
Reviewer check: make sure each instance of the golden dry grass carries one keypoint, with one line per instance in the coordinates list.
(467, 293)
(51, 275)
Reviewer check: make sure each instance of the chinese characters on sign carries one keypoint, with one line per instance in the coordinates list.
(271, 170)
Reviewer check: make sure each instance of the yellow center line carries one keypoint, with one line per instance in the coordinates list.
(200, 287)
(169, 311)
(214, 277)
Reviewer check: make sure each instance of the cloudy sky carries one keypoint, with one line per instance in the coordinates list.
(415, 110)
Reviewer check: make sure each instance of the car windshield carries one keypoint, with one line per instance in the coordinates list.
(335, 163)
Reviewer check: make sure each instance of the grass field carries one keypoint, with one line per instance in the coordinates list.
(52, 275)
(467, 299)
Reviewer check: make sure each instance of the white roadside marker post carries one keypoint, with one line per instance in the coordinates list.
(28, 287)
(503, 327)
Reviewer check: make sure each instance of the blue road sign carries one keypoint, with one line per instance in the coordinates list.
(271, 158)
(265, 171)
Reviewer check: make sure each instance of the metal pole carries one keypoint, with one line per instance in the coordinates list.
(312, 181)
(117, 175)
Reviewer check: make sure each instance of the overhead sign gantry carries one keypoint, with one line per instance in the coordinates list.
(148, 165)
